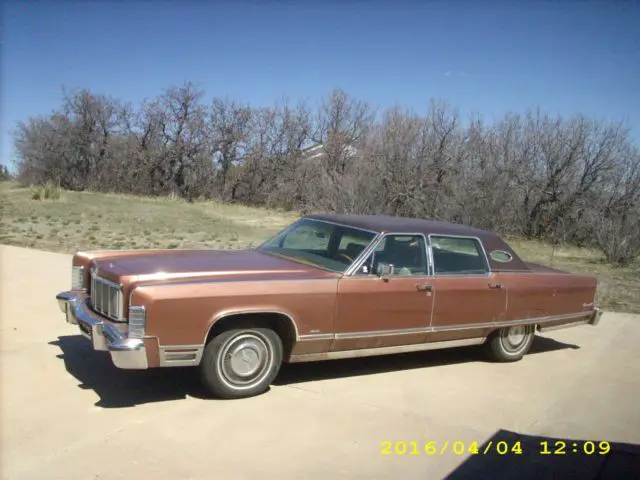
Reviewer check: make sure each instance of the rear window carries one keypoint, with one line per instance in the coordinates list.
(458, 256)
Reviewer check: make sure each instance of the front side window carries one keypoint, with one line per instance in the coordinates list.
(321, 244)
(407, 254)
(458, 256)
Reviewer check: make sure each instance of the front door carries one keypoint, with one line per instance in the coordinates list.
(374, 311)
(468, 298)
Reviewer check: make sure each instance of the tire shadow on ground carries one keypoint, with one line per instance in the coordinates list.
(127, 388)
(307, 372)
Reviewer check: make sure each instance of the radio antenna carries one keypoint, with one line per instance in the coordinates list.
(554, 243)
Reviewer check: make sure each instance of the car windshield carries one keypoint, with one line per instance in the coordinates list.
(321, 244)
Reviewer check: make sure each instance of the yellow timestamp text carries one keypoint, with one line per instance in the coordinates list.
(433, 448)
(446, 447)
(572, 447)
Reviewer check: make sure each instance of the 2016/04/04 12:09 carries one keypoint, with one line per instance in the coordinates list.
(559, 447)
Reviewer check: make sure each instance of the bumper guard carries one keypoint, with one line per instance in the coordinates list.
(595, 317)
(126, 353)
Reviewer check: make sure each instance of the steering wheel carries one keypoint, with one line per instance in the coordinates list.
(345, 256)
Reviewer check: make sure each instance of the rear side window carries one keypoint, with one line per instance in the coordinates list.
(458, 256)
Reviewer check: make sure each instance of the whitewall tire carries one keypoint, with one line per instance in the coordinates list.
(510, 344)
(241, 363)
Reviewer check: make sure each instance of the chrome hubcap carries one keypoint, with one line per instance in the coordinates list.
(516, 335)
(244, 359)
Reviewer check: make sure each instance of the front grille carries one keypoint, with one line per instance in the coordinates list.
(106, 298)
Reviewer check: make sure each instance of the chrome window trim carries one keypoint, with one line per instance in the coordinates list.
(290, 227)
(357, 263)
(355, 266)
(341, 225)
(501, 251)
(489, 271)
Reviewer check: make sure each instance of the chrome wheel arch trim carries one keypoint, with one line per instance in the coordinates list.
(244, 311)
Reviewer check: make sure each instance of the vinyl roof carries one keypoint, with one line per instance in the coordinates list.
(386, 223)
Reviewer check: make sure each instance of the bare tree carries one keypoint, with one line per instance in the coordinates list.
(271, 164)
(341, 123)
(230, 122)
(613, 216)
(565, 179)
(44, 151)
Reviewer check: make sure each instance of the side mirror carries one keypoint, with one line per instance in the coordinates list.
(384, 269)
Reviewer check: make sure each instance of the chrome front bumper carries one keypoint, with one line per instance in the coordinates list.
(104, 335)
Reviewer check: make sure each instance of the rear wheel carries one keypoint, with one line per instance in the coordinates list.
(510, 344)
(241, 363)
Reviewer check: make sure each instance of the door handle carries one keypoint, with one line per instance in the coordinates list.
(426, 287)
(495, 285)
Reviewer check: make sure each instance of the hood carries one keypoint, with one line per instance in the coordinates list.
(178, 265)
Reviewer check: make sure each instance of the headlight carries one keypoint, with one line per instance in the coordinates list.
(77, 278)
(137, 321)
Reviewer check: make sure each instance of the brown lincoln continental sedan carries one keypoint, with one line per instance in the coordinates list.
(327, 287)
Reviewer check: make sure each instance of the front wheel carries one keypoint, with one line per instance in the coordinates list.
(510, 344)
(241, 363)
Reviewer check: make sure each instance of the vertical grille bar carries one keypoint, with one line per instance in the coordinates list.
(106, 298)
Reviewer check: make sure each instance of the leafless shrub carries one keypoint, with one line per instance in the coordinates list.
(573, 179)
(5, 174)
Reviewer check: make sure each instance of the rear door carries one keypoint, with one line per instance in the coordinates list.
(468, 297)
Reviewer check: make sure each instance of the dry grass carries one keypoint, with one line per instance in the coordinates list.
(79, 221)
